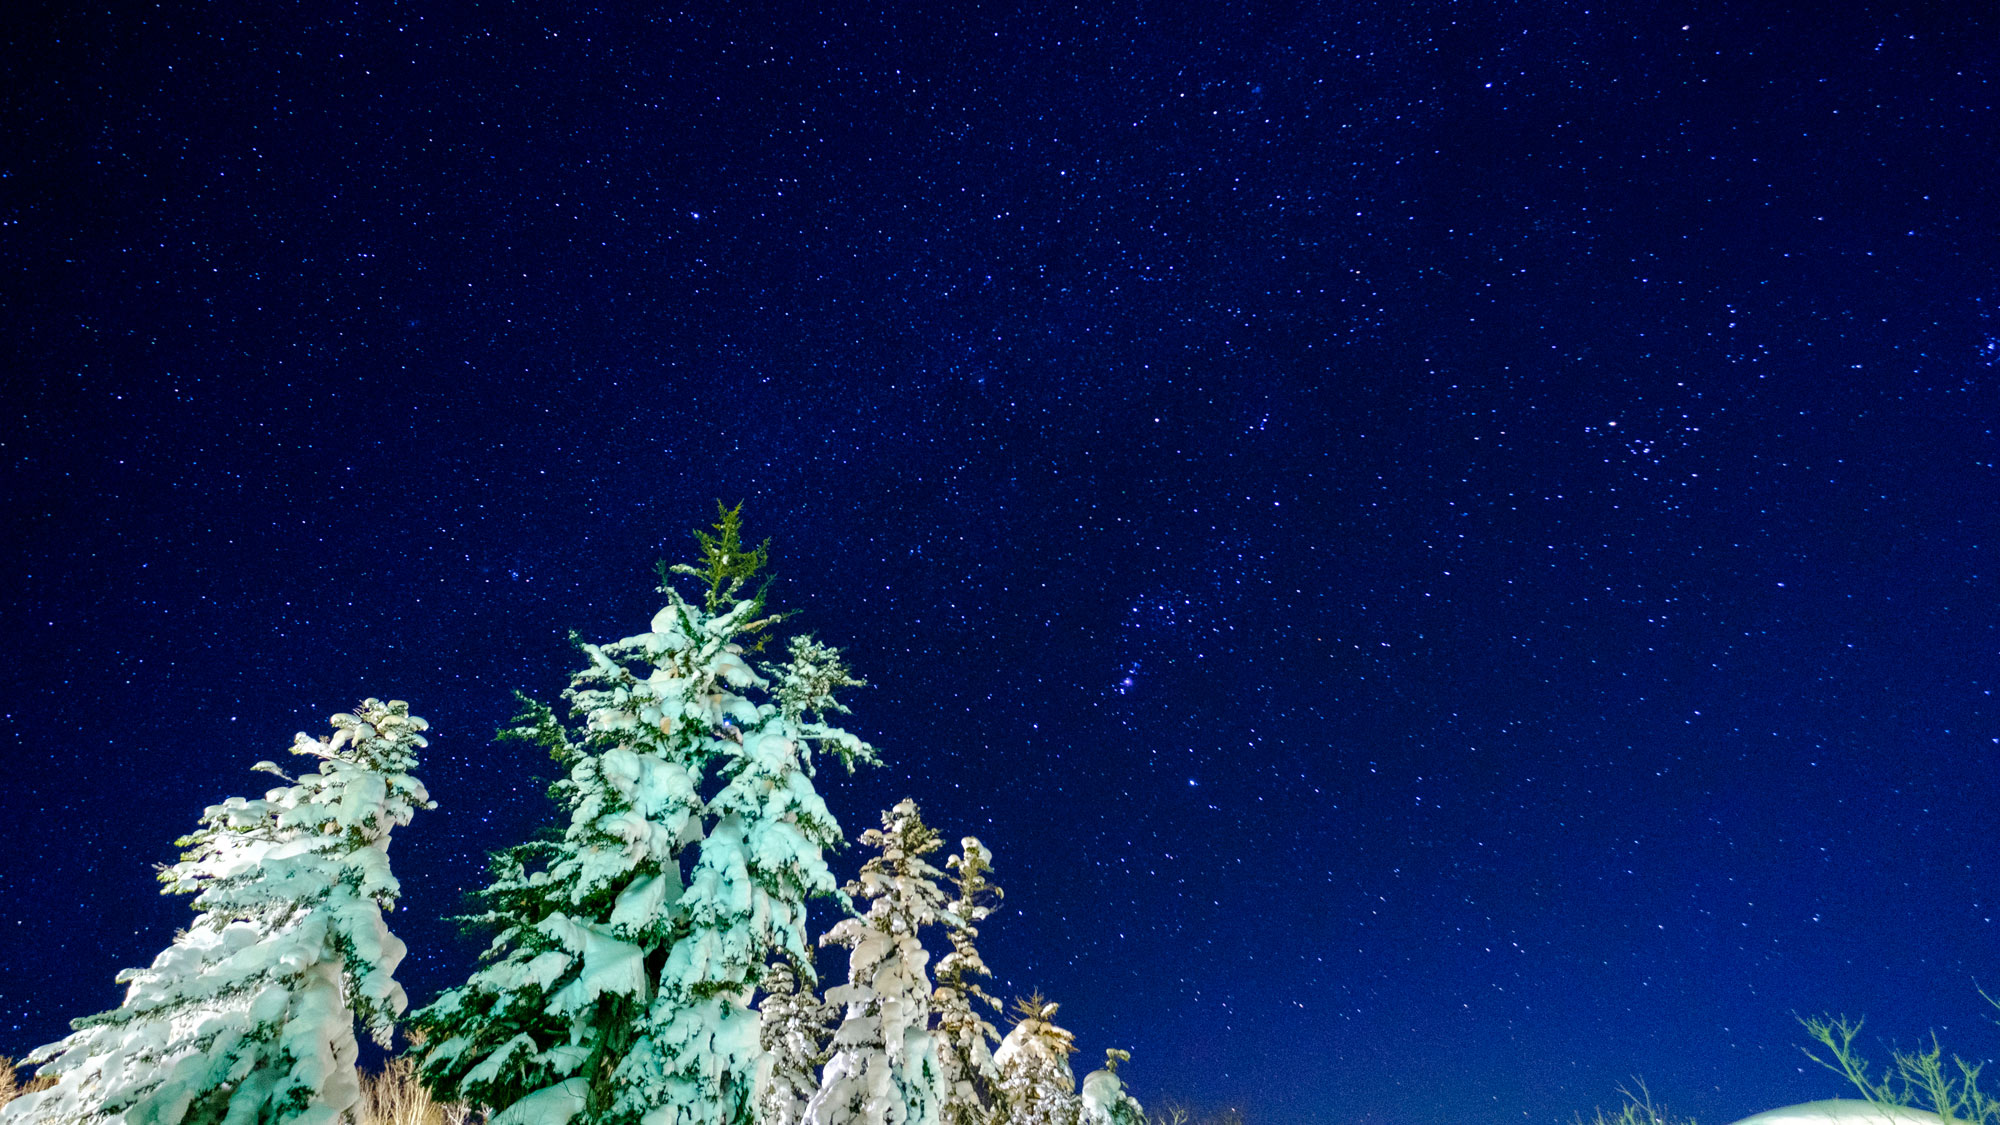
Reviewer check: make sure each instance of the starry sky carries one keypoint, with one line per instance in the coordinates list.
(1448, 548)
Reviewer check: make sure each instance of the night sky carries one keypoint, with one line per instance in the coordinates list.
(1448, 549)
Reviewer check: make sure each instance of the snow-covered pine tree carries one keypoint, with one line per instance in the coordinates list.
(1037, 1086)
(793, 1030)
(618, 990)
(965, 1038)
(884, 1069)
(248, 1017)
(1105, 1099)
(747, 898)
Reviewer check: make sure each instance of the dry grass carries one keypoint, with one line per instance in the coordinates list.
(12, 1087)
(393, 1096)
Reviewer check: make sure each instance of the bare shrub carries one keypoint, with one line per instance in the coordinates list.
(1919, 1079)
(1639, 1109)
(1175, 1112)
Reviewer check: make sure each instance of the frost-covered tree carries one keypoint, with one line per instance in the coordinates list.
(248, 1017)
(1037, 1086)
(1105, 1099)
(884, 1069)
(965, 1038)
(619, 980)
(792, 1029)
(747, 898)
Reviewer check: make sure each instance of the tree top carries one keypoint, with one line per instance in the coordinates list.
(725, 564)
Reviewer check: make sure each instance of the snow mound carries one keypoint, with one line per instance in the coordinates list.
(1842, 1111)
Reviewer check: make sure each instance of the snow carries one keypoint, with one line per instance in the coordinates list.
(609, 965)
(555, 1105)
(1842, 1111)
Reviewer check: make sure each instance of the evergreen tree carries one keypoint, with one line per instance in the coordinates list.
(248, 1017)
(885, 1069)
(619, 981)
(1037, 1086)
(793, 1032)
(1105, 1099)
(965, 1038)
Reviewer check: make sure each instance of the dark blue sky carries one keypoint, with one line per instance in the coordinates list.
(1447, 548)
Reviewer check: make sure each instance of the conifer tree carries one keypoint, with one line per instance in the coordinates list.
(884, 1069)
(248, 1017)
(793, 1032)
(1105, 1099)
(1037, 1086)
(965, 1038)
(619, 981)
